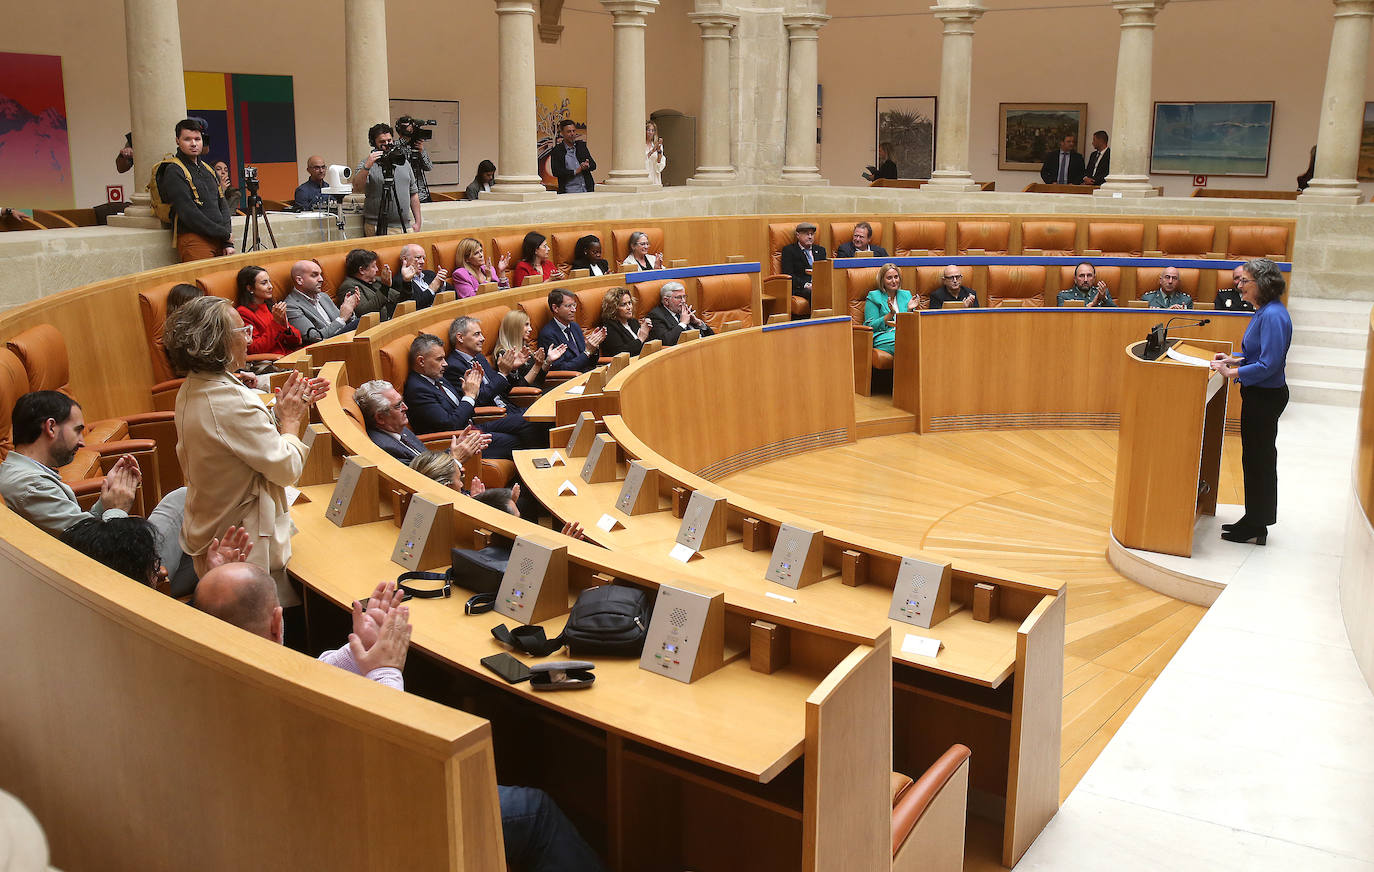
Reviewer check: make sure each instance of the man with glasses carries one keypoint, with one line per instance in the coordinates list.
(1168, 295)
(310, 193)
(952, 290)
(384, 416)
(672, 315)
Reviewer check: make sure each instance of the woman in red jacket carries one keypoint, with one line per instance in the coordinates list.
(535, 260)
(271, 332)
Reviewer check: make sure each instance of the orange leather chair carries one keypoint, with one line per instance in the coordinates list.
(1054, 238)
(223, 283)
(563, 242)
(332, 268)
(726, 298)
(927, 279)
(912, 236)
(1109, 274)
(393, 360)
(502, 245)
(620, 244)
(646, 295)
(444, 254)
(537, 309)
(1249, 241)
(1024, 285)
(1117, 240)
(1194, 240)
(993, 237)
(858, 282)
(1147, 279)
(843, 231)
(777, 285)
(928, 815)
(390, 255)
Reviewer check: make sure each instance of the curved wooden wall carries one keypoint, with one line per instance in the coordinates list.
(1357, 568)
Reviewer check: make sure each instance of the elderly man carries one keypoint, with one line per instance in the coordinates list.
(1086, 289)
(417, 283)
(798, 257)
(859, 243)
(1168, 295)
(1063, 166)
(384, 417)
(310, 193)
(952, 289)
(1229, 299)
(309, 309)
(672, 315)
(583, 351)
(467, 340)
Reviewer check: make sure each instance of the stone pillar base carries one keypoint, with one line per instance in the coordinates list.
(1336, 192)
(519, 195)
(714, 178)
(627, 187)
(138, 222)
(1133, 187)
(802, 176)
(951, 182)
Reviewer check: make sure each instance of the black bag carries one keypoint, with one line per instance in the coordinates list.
(610, 619)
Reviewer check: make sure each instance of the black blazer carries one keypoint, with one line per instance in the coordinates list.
(846, 249)
(431, 410)
(558, 165)
(576, 358)
(405, 447)
(494, 385)
(940, 296)
(1099, 168)
(1049, 171)
(794, 263)
(617, 340)
(587, 265)
(411, 291)
(665, 326)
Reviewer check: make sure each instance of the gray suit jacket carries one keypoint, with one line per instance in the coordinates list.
(302, 314)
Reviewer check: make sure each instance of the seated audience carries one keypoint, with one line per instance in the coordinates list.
(1086, 289)
(48, 429)
(132, 547)
(432, 404)
(1230, 299)
(415, 282)
(672, 315)
(309, 309)
(310, 193)
(371, 280)
(182, 294)
(511, 430)
(952, 288)
(471, 269)
(581, 352)
(638, 258)
(441, 466)
(798, 257)
(507, 499)
(859, 242)
(486, 174)
(271, 333)
(516, 332)
(384, 418)
(884, 302)
(587, 255)
(535, 260)
(1064, 165)
(623, 331)
(1168, 295)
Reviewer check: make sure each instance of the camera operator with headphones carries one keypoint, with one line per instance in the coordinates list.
(412, 132)
(391, 202)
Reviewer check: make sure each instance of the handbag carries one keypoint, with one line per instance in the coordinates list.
(611, 619)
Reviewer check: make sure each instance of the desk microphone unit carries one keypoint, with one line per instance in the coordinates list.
(1156, 341)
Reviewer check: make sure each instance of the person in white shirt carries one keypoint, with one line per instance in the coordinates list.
(654, 159)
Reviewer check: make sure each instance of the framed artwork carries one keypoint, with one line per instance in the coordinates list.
(1212, 139)
(1028, 131)
(249, 119)
(443, 146)
(35, 159)
(553, 103)
(1365, 173)
(907, 124)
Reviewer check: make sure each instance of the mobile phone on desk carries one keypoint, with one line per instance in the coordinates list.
(541, 463)
(506, 666)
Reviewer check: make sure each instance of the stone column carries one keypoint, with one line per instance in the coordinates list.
(713, 137)
(1130, 176)
(368, 92)
(799, 161)
(956, 79)
(517, 167)
(1342, 119)
(629, 22)
(157, 97)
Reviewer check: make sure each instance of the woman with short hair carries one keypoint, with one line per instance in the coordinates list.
(639, 257)
(624, 332)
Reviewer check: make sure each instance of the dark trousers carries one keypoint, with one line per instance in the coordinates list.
(539, 837)
(510, 432)
(1260, 409)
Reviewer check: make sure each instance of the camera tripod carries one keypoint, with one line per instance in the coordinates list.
(256, 209)
(389, 196)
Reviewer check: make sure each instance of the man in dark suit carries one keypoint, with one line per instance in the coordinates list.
(953, 288)
(1064, 166)
(417, 283)
(582, 354)
(798, 257)
(672, 315)
(858, 242)
(1100, 161)
(465, 337)
(571, 161)
(435, 405)
(384, 416)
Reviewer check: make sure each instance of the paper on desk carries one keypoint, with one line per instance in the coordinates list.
(567, 487)
(921, 645)
(1187, 358)
(778, 596)
(681, 553)
(291, 494)
(575, 390)
(557, 458)
(608, 523)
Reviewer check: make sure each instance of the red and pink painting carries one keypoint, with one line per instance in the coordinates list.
(35, 161)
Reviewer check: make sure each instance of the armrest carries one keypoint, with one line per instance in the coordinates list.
(863, 328)
(123, 446)
(141, 418)
(863, 363)
(171, 384)
(253, 358)
(488, 412)
(944, 784)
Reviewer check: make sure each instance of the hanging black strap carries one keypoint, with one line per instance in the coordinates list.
(426, 592)
(528, 639)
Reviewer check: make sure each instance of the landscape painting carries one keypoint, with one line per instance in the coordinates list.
(1028, 131)
(908, 125)
(35, 160)
(1212, 139)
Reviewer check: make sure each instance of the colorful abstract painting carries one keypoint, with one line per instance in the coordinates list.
(251, 120)
(553, 103)
(35, 161)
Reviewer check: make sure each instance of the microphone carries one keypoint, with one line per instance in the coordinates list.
(1159, 334)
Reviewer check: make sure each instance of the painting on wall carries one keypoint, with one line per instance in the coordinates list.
(1365, 173)
(553, 103)
(907, 124)
(250, 120)
(1028, 131)
(35, 160)
(1212, 139)
(442, 147)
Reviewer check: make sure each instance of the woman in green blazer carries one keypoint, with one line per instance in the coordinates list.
(883, 303)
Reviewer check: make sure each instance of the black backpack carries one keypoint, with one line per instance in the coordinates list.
(611, 619)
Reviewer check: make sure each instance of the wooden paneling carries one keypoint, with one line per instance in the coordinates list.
(1033, 771)
(1357, 571)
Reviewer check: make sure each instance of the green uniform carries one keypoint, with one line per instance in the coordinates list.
(1157, 299)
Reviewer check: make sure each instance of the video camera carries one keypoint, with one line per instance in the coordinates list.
(250, 179)
(413, 129)
(394, 155)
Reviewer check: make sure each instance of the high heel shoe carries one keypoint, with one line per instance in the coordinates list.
(1238, 525)
(1238, 533)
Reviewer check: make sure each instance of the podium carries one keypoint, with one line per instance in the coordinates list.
(1173, 418)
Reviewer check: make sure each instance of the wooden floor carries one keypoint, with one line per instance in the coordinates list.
(1032, 500)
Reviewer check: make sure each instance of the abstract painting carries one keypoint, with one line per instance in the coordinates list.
(908, 125)
(553, 103)
(1027, 131)
(1212, 139)
(250, 120)
(35, 160)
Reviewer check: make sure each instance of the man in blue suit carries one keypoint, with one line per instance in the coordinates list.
(466, 338)
(435, 405)
(582, 354)
(384, 416)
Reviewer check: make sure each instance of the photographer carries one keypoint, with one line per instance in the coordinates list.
(412, 133)
(388, 159)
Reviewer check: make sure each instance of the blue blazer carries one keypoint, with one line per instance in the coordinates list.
(575, 359)
(494, 385)
(397, 445)
(431, 411)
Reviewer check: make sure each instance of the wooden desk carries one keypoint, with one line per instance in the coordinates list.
(543, 410)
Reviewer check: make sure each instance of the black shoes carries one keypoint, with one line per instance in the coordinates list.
(1239, 532)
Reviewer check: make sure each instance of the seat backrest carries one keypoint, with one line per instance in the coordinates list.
(14, 383)
(647, 295)
(564, 241)
(152, 306)
(345, 395)
(1147, 279)
(1016, 282)
(909, 236)
(620, 244)
(43, 353)
(928, 278)
(1121, 240)
(992, 237)
(393, 359)
(1054, 238)
(390, 255)
(1109, 274)
(1186, 238)
(726, 298)
(857, 284)
(332, 268)
(280, 273)
(537, 309)
(589, 307)
(490, 319)
(843, 231)
(779, 237)
(223, 283)
(503, 245)
(443, 254)
(1257, 240)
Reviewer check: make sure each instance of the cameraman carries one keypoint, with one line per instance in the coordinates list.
(370, 175)
(412, 133)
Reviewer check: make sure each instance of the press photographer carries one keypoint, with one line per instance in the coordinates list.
(391, 197)
(413, 134)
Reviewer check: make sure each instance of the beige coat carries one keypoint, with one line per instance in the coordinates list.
(237, 468)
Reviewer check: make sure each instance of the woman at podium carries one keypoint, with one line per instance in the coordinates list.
(1263, 396)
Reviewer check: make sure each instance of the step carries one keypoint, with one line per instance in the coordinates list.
(1330, 337)
(1323, 392)
(1316, 312)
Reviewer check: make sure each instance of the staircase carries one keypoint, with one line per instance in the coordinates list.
(1326, 360)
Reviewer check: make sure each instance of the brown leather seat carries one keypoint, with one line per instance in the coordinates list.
(502, 245)
(564, 242)
(390, 255)
(589, 307)
(1147, 279)
(726, 298)
(943, 788)
(910, 236)
(442, 254)
(1109, 274)
(843, 231)
(1053, 238)
(646, 295)
(1024, 285)
(1248, 241)
(332, 268)
(858, 282)
(779, 237)
(14, 383)
(993, 237)
(1190, 239)
(1116, 239)
(620, 244)
(223, 283)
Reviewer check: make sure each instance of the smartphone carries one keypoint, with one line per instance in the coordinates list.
(506, 666)
(541, 463)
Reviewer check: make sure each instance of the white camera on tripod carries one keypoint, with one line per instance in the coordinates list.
(336, 180)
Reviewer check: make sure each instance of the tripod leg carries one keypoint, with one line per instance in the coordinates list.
(270, 235)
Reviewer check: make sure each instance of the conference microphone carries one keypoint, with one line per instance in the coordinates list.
(1159, 335)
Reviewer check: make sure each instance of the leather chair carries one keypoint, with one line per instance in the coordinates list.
(1053, 238)
(646, 295)
(444, 254)
(537, 310)
(843, 231)
(1019, 285)
(620, 244)
(1194, 240)
(14, 383)
(928, 815)
(332, 269)
(1147, 279)
(1249, 241)
(393, 362)
(502, 245)
(564, 242)
(911, 236)
(390, 255)
(1117, 240)
(223, 283)
(858, 282)
(777, 285)
(726, 298)
(1109, 274)
(993, 237)
(927, 279)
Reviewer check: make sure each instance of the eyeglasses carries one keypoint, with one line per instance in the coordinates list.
(955, 276)
(1242, 281)
(246, 330)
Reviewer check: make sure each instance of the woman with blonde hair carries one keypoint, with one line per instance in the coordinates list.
(882, 305)
(654, 159)
(470, 269)
(623, 331)
(515, 333)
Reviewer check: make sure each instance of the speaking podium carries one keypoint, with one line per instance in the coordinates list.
(1173, 418)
